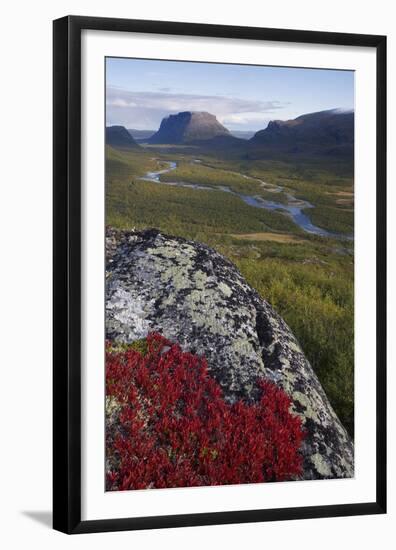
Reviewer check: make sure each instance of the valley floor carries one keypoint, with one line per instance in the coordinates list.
(308, 278)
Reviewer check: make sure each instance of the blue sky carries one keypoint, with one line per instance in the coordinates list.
(139, 93)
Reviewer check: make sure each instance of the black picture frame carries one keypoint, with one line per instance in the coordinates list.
(67, 274)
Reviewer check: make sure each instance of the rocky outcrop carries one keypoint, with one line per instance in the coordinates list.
(194, 296)
(188, 127)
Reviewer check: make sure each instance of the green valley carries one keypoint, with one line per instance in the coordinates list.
(308, 278)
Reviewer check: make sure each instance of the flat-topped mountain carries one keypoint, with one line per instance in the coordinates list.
(324, 133)
(119, 137)
(187, 127)
(329, 131)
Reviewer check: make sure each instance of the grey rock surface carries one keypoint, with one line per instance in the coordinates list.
(194, 296)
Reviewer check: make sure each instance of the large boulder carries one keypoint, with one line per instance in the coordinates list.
(194, 296)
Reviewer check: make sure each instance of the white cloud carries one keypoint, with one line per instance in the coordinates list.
(119, 102)
(244, 118)
(145, 110)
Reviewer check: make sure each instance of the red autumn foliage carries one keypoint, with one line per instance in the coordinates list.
(173, 428)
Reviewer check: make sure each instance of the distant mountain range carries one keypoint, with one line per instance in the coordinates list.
(242, 134)
(141, 135)
(328, 132)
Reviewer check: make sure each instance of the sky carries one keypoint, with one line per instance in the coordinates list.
(140, 93)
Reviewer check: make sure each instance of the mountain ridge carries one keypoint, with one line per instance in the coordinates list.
(324, 133)
(329, 131)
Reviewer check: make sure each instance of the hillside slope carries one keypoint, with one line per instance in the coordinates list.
(327, 132)
(120, 138)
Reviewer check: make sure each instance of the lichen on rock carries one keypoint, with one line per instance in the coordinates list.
(194, 296)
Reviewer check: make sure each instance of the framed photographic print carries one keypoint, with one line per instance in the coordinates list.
(219, 274)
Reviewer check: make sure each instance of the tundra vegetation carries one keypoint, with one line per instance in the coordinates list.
(307, 278)
(170, 426)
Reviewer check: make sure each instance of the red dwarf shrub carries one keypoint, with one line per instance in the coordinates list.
(170, 425)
